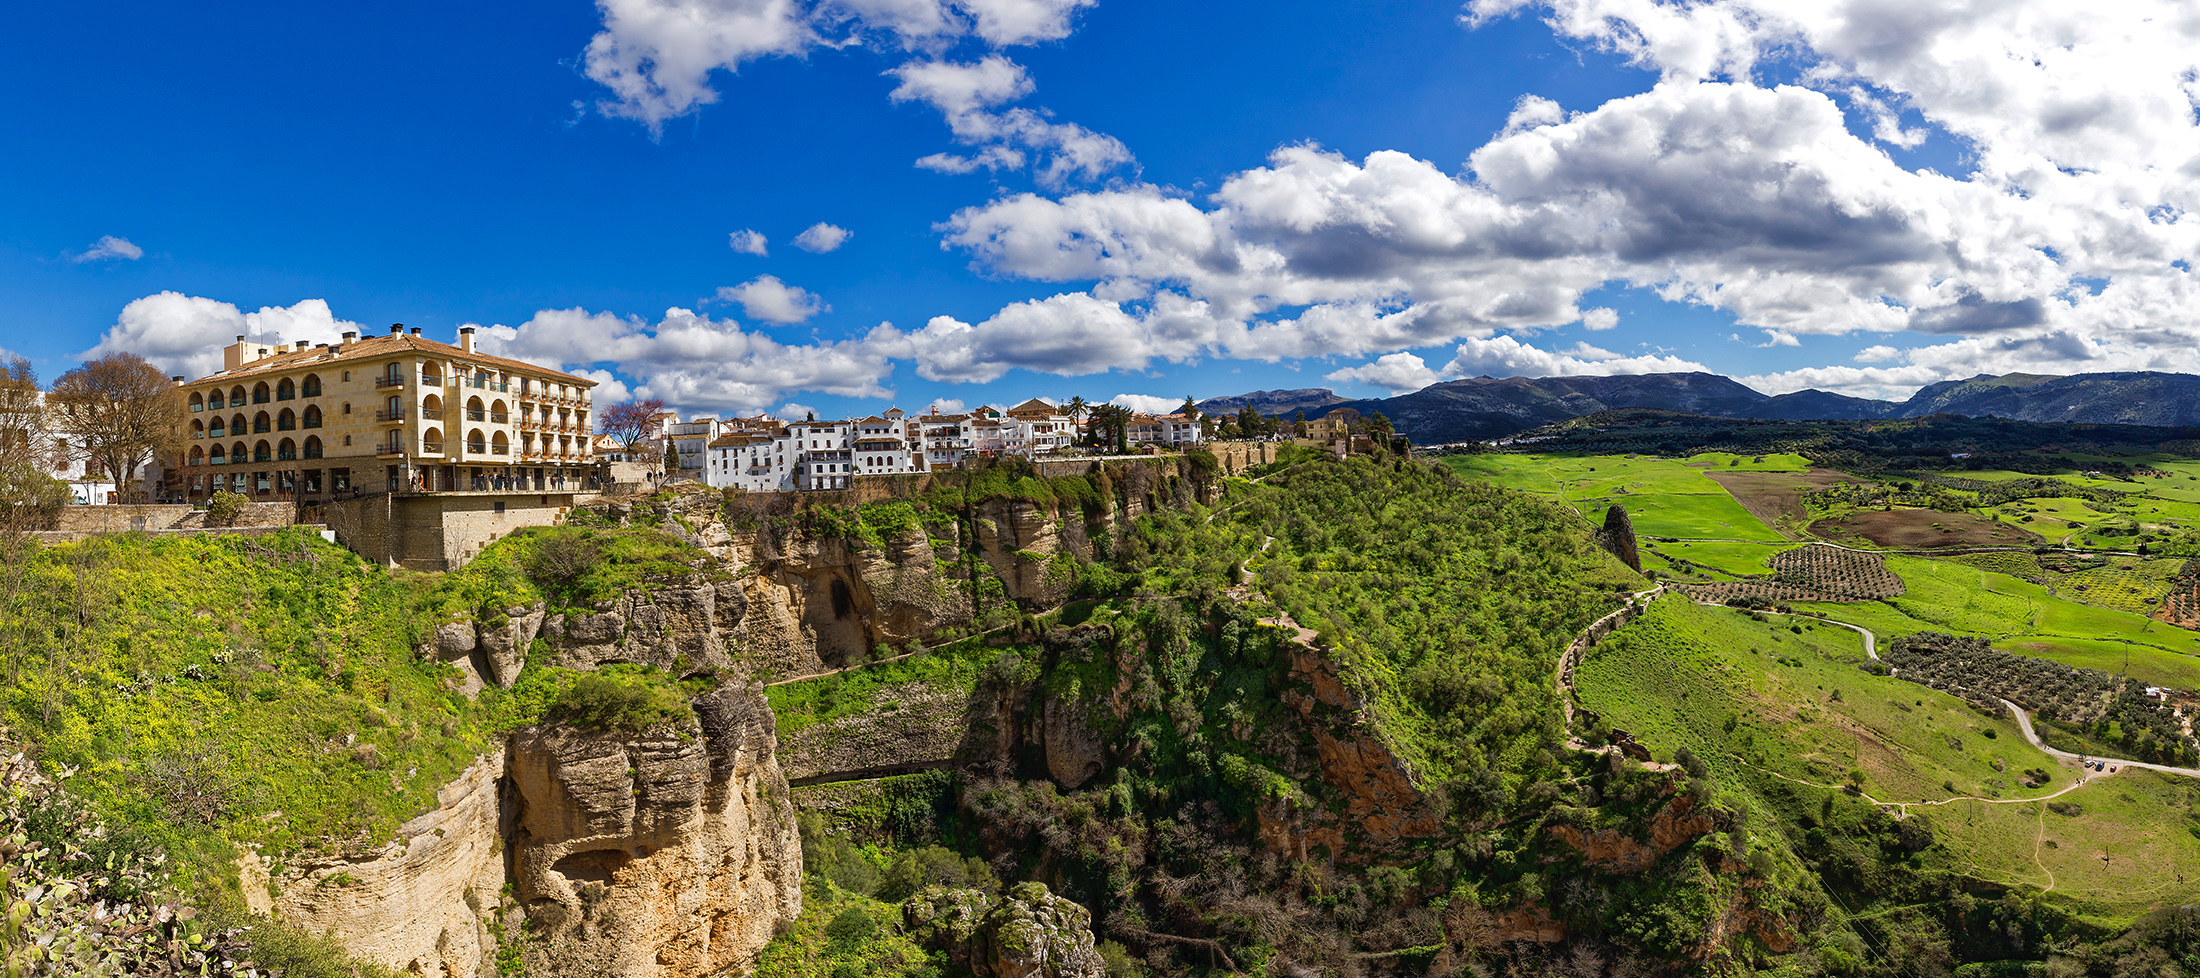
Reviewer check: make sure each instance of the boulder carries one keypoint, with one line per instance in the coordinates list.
(1027, 933)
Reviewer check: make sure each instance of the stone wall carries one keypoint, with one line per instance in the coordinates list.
(1237, 456)
(119, 518)
(438, 531)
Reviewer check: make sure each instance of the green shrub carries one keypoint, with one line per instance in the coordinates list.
(851, 926)
(224, 508)
(624, 703)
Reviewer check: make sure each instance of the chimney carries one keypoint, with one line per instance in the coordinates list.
(240, 337)
(415, 331)
(350, 336)
(466, 338)
(178, 379)
(397, 329)
(303, 343)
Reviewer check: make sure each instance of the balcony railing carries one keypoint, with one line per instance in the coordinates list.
(381, 382)
(311, 422)
(286, 426)
(286, 456)
(431, 414)
(386, 416)
(499, 419)
(389, 449)
(259, 427)
(431, 380)
(313, 453)
(499, 450)
(477, 449)
(488, 385)
(432, 449)
(286, 395)
(477, 415)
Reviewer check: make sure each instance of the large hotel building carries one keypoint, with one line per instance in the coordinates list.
(395, 413)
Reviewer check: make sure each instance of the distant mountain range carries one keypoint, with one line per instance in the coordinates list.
(1488, 407)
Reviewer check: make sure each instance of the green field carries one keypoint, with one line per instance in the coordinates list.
(1663, 497)
(1769, 707)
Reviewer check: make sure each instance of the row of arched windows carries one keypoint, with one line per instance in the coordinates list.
(261, 451)
(286, 420)
(284, 390)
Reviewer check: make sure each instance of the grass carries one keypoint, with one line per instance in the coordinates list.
(1702, 516)
(1758, 699)
(1664, 497)
(1736, 559)
(812, 947)
(1776, 462)
(807, 703)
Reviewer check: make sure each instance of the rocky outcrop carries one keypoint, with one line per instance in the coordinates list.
(661, 856)
(911, 727)
(1375, 803)
(419, 904)
(681, 627)
(1624, 850)
(671, 855)
(1028, 933)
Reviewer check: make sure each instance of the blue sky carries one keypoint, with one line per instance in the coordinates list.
(442, 164)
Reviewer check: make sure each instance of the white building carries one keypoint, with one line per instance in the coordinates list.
(804, 455)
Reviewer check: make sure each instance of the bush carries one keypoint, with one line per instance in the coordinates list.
(851, 926)
(559, 560)
(933, 866)
(224, 508)
(608, 702)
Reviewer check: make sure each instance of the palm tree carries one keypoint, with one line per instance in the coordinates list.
(1076, 408)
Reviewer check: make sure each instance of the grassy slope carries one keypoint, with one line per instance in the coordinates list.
(220, 689)
(1677, 676)
(1664, 497)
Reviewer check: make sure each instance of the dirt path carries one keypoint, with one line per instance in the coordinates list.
(2024, 722)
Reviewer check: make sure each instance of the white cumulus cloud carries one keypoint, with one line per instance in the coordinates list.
(1147, 403)
(184, 334)
(767, 298)
(821, 237)
(748, 242)
(1398, 373)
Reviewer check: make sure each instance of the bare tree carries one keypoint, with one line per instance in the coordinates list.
(29, 497)
(631, 422)
(123, 411)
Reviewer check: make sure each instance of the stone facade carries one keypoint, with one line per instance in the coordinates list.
(438, 531)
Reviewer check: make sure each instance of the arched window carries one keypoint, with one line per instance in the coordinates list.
(431, 408)
(287, 451)
(237, 454)
(214, 400)
(261, 424)
(393, 409)
(431, 375)
(497, 413)
(474, 411)
(395, 373)
(313, 446)
(260, 393)
(198, 428)
(475, 443)
(285, 390)
(236, 425)
(311, 387)
(198, 402)
(220, 428)
(198, 454)
(313, 416)
(262, 452)
(286, 421)
(219, 456)
(236, 396)
(431, 441)
(500, 445)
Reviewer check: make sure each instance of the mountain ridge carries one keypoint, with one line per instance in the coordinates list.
(1480, 408)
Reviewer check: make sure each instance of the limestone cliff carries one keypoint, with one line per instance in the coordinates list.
(657, 856)
(667, 855)
(1029, 933)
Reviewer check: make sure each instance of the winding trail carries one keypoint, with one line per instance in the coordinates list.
(2024, 723)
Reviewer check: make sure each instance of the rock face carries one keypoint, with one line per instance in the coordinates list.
(662, 856)
(672, 855)
(417, 904)
(1030, 933)
(1377, 803)
(1618, 537)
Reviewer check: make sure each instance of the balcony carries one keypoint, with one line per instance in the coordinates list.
(431, 414)
(389, 417)
(311, 423)
(432, 449)
(431, 380)
(499, 450)
(499, 419)
(381, 382)
(286, 456)
(286, 426)
(477, 415)
(388, 450)
(487, 385)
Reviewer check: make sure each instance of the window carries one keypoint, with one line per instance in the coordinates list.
(339, 479)
(500, 506)
(347, 440)
(312, 386)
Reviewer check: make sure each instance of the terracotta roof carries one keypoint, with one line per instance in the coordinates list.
(381, 346)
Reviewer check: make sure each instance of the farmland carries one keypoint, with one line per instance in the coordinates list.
(1784, 711)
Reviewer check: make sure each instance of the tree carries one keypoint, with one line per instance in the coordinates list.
(1189, 408)
(1378, 426)
(29, 498)
(672, 458)
(1249, 421)
(631, 422)
(1077, 407)
(123, 411)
